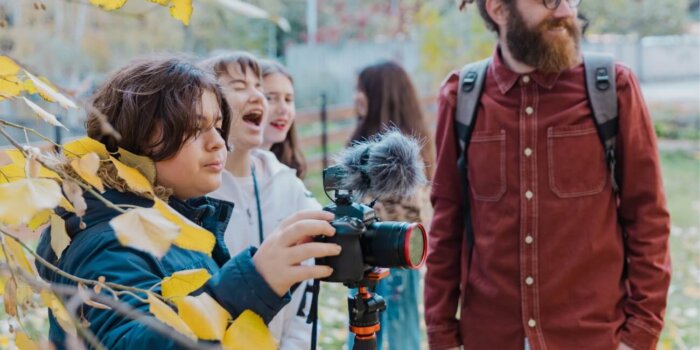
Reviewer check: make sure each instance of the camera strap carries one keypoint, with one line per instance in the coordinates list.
(257, 203)
(313, 313)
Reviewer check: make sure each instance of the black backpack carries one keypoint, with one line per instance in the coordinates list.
(602, 97)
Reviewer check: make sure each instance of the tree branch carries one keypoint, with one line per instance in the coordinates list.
(21, 127)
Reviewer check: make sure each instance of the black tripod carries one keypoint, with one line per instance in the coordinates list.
(364, 308)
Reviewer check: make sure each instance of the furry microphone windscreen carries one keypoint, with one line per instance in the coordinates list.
(386, 165)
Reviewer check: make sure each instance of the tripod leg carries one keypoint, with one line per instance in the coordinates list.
(365, 342)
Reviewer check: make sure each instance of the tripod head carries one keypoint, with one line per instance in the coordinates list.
(364, 308)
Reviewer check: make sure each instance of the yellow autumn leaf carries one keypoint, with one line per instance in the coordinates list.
(145, 229)
(109, 5)
(21, 200)
(160, 2)
(16, 169)
(184, 282)
(19, 258)
(16, 156)
(43, 114)
(192, 236)
(248, 331)
(8, 66)
(146, 166)
(168, 316)
(9, 297)
(133, 177)
(47, 90)
(11, 172)
(40, 219)
(31, 89)
(76, 200)
(65, 204)
(59, 237)
(87, 166)
(204, 316)
(83, 146)
(25, 294)
(23, 342)
(181, 10)
(59, 312)
(10, 86)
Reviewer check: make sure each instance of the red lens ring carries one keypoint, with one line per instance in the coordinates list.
(406, 248)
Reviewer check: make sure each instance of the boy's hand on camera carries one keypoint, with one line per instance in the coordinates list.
(278, 260)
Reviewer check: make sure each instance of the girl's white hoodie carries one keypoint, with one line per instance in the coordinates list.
(281, 194)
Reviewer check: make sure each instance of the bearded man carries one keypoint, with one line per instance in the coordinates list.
(558, 259)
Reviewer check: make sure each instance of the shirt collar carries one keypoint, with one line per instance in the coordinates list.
(506, 78)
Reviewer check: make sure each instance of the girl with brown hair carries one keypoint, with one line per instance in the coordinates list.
(280, 134)
(385, 98)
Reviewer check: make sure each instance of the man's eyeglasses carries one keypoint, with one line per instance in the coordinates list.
(554, 4)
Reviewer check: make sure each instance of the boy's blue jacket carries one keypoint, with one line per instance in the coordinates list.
(95, 251)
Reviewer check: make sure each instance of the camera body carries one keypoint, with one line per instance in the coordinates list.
(351, 222)
(366, 241)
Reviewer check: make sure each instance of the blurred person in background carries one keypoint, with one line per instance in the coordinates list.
(279, 133)
(386, 98)
(263, 190)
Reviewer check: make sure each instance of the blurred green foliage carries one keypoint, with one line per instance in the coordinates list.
(641, 17)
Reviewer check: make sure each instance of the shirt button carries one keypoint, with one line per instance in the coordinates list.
(529, 194)
(529, 280)
(528, 152)
(531, 323)
(529, 110)
(526, 79)
(529, 239)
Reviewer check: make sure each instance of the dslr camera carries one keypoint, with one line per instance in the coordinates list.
(366, 241)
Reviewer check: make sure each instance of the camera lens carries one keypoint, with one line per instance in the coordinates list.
(395, 244)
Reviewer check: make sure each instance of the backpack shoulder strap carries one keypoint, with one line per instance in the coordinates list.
(602, 97)
(471, 84)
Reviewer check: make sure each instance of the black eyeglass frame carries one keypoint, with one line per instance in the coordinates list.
(554, 4)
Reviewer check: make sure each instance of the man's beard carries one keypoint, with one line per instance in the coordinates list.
(531, 47)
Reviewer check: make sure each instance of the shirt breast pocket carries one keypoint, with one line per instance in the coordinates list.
(576, 161)
(487, 165)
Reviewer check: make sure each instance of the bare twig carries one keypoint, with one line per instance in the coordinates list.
(27, 129)
(7, 178)
(12, 140)
(72, 306)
